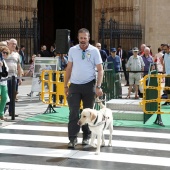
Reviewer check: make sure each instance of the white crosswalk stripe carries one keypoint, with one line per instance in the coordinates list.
(45, 147)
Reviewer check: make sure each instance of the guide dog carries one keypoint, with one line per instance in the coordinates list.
(98, 121)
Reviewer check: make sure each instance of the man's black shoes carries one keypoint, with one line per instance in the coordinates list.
(85, 141)
(72, 143)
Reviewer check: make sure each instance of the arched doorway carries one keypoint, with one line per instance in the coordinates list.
(64, 14)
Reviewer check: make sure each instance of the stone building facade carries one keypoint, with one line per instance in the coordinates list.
(151, 14)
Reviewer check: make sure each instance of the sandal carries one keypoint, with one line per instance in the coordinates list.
(127, 97)
(3, 118)
(136, 97)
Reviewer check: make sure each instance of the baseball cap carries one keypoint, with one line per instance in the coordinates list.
(113, 50)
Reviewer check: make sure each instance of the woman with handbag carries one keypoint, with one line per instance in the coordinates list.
(3, 84)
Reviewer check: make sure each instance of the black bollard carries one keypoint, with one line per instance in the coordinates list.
(13, 91)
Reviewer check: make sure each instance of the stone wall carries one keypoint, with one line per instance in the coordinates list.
(121, 11)
(12, 10)
(151, 14)
(154, 16)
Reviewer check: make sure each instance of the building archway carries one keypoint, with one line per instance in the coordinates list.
(64, 14)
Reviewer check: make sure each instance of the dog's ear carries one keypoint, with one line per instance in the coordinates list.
(93, 116)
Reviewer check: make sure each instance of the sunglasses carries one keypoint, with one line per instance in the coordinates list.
(83, 55)
(5, 52)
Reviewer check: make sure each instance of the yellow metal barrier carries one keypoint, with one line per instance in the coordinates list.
(159, 88)
(51, 80)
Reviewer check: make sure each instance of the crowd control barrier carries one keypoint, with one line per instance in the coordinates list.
(148, 109)
(53, 88)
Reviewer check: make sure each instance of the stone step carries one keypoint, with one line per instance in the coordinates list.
(127, 115)
(124, 105)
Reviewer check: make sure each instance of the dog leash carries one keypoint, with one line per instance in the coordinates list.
(97, 100)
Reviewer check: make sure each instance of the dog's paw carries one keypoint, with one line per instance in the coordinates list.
(110, 144)
(93, 145)
(103, 144)
(97, 153)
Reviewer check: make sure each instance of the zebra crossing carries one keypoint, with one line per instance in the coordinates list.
(43, 146)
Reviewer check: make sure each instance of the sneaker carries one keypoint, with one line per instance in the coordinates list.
(126, 85)
(72, 143)
(85, 141)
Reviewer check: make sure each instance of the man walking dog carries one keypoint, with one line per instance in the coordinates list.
(82, 61)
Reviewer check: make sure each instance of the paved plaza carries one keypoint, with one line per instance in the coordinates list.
(29, 145)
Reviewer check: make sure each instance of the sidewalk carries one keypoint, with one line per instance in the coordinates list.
(25, 107)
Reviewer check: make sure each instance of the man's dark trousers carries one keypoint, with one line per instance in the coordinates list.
(78, 92)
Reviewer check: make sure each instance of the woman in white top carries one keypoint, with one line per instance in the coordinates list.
(3, 84)
(159, 60)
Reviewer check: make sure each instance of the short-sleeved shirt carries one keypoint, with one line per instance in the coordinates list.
(167, 63)
(83, 70)
(116, 61)
(12, 61)
(135, 63)
(147, 60)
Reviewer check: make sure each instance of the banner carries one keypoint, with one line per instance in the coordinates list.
(42, 63)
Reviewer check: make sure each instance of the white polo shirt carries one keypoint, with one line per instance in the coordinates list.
(83, 70)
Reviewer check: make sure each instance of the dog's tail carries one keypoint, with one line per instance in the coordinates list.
(99, 101)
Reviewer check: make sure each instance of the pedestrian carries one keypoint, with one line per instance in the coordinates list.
(102, 52)
(30, 71)
(22, 54)
(13, 63)
(123, 56)
(115, 59)
(166, 70)
(80, 72)
(3, 84)
(135, 65)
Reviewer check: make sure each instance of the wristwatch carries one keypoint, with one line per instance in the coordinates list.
(98, 87)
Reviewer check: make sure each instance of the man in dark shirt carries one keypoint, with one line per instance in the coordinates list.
(102, 52)
(123, 56)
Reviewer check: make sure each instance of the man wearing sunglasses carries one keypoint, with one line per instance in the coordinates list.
(83, 59)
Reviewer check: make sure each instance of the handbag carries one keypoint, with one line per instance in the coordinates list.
(4, 70)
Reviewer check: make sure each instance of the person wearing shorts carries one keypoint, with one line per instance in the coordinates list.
(135, 64)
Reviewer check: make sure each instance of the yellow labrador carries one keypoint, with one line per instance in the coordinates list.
(98, 121)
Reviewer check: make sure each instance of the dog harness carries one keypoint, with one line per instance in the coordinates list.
(99, 123)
